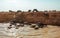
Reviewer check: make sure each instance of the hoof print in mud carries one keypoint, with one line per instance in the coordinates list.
(9, 27)
(36, 28)
(32, 26)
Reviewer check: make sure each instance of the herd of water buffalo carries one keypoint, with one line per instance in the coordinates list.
(35, 19)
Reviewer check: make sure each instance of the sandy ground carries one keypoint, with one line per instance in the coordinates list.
(27, 32)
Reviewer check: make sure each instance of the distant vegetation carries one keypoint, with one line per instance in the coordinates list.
(48, 17)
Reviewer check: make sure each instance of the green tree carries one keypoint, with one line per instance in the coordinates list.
(35, 10)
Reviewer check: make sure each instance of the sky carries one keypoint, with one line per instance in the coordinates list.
(6, 5)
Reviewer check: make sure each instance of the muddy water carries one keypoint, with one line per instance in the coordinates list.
(27, 32)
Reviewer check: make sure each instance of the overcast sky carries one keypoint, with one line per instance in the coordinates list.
(29, 4)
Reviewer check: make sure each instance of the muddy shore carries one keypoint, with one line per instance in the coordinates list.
(27, 32)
